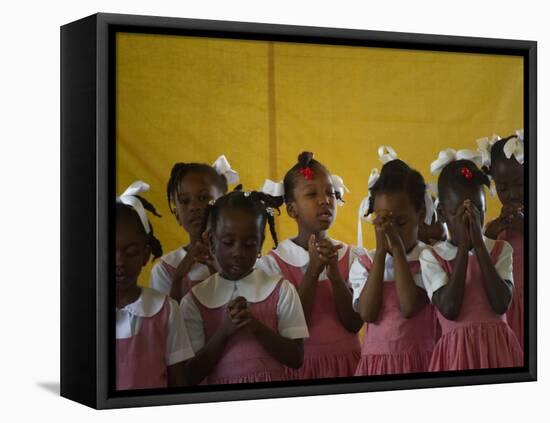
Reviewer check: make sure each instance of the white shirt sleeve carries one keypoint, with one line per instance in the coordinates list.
(433, 275)
(269, 265)
(419, 281)
(358, 275)
(178, 346)
(160, 279)
(290, 315)
(193, 322)
(504, 265)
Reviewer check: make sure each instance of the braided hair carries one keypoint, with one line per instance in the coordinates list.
(178, 172)
(256, 202)
(398, 176)
(460, 174)
(306, 164)
(126, 212)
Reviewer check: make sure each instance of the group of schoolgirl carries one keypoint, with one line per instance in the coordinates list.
(441, 289)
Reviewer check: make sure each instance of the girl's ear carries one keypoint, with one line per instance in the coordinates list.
(291, 210)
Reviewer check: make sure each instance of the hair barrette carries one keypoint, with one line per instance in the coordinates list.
(307, 173)
(467, 173)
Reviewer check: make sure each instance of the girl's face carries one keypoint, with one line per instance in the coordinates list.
(236, 242)
(314, 205)
(132, 253)
(448, 209)
(194, 192)
(508, 176)
(406, 218)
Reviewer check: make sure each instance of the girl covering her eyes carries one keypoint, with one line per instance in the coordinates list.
(389, 292)
(469, 277)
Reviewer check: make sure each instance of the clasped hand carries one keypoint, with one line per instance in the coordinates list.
(387, 236)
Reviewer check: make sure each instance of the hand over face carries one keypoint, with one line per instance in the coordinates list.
(462, 224)
(475, 230)
(385, 226)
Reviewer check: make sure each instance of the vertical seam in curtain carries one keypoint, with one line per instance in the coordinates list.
(271, 111)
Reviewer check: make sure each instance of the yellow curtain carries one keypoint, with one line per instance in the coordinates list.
(184, 99)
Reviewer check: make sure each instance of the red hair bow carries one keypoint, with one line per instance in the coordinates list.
(467, 173)
(307, 172)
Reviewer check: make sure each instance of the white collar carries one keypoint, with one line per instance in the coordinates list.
(198, 272)
(173, 258)
(216, 291)
(389, 272)
(148, 303)
(448, 251)
(296, 256)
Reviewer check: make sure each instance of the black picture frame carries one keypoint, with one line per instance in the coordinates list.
(87, 190)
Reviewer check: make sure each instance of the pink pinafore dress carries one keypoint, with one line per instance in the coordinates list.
(514, 315)
(244, 360)
(394, 344)
(330, 351)
(479, 338)
(141, 359)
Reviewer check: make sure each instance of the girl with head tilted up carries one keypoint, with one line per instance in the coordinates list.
(468, 277)
(318, 266)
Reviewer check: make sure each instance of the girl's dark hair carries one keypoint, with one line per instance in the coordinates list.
(256, 202)
(305, 160)
(497, 153)
(126, 212)
(460, 174)
(178, 172)
(397, 176)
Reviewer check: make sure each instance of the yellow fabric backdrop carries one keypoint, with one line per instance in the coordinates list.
(262, 103)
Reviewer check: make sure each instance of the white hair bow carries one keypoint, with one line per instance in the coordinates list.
(431, 214)
(129, 198)
(450, 155)
(484, 146)
(339, 187)
(386, 154)
(222, 167)
(275, 189)
(519, 134)
(514, 147)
